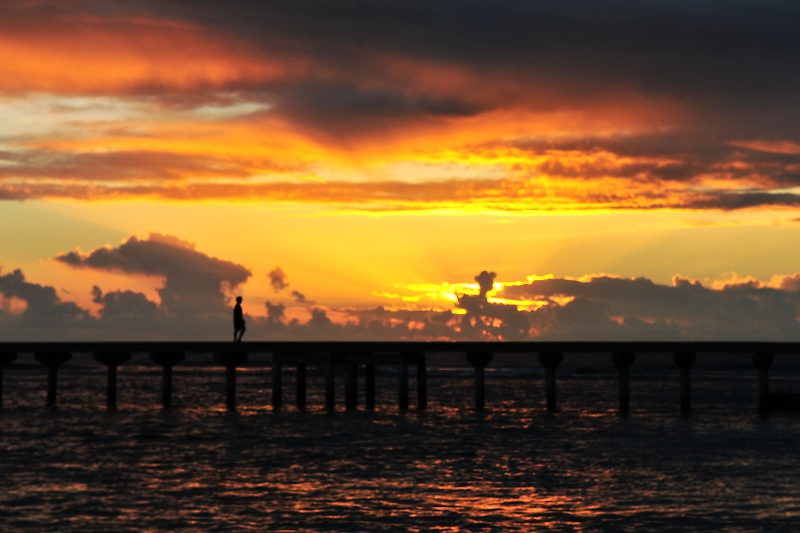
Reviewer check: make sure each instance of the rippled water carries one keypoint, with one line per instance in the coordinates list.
(514, 467)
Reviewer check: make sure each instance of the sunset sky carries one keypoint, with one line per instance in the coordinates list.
(620, 169)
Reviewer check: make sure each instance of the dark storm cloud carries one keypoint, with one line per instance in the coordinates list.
(514, 31)
(735, 60)
(732, 63)
(713, 75)
(44, 306)
(348, 110)
(193, 283)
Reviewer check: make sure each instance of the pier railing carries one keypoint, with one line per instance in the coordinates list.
(352, 354)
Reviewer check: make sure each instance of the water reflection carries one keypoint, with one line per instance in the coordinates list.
(512, 468)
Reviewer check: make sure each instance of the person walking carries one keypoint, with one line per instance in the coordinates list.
(238, 321)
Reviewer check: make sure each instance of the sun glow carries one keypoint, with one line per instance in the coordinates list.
(371, 166)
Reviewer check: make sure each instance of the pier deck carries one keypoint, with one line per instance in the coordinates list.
(353, 354)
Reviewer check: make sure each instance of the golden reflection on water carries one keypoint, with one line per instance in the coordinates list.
(512, 468)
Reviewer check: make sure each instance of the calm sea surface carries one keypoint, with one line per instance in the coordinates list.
(514, 467)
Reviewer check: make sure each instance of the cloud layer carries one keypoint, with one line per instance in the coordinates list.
(197, 289)
(193, 281)
(389, 105)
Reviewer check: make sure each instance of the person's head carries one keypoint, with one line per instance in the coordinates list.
(238, 299)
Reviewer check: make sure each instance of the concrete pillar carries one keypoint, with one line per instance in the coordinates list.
(402, 387)
(52, 360)
(685, 360)
(6, 359)
(112, 360)
(277, 385)
(479, 360)
(369, 390)
(550, 360)
(623, 362)
(422, 383)
(230, 361)
(167, 360)
(763, 361)
(300, 383)
(351, 387)
(330, 386)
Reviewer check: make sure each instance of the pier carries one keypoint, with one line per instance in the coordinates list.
(355, 358)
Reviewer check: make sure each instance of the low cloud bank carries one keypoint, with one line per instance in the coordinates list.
(193, 281)
(196, 304)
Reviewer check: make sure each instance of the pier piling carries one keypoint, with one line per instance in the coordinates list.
(300, 386)
(402, 387)
(52, 360)
(685, 360)
(6, 358)
(167, 360)
(301, 360)
(230, 361)
(763, 361)
(623, 362)
(479, 360)
(369, 389)
(550, 360)
(347, 356)
(112, 360)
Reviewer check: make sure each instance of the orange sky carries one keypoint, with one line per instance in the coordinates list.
(369, 152)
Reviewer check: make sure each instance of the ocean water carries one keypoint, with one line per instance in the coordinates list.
(514, 467)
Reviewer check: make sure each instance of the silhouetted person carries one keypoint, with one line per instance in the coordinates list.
(238, 321)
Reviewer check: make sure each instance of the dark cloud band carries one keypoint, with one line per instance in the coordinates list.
(193, 281)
